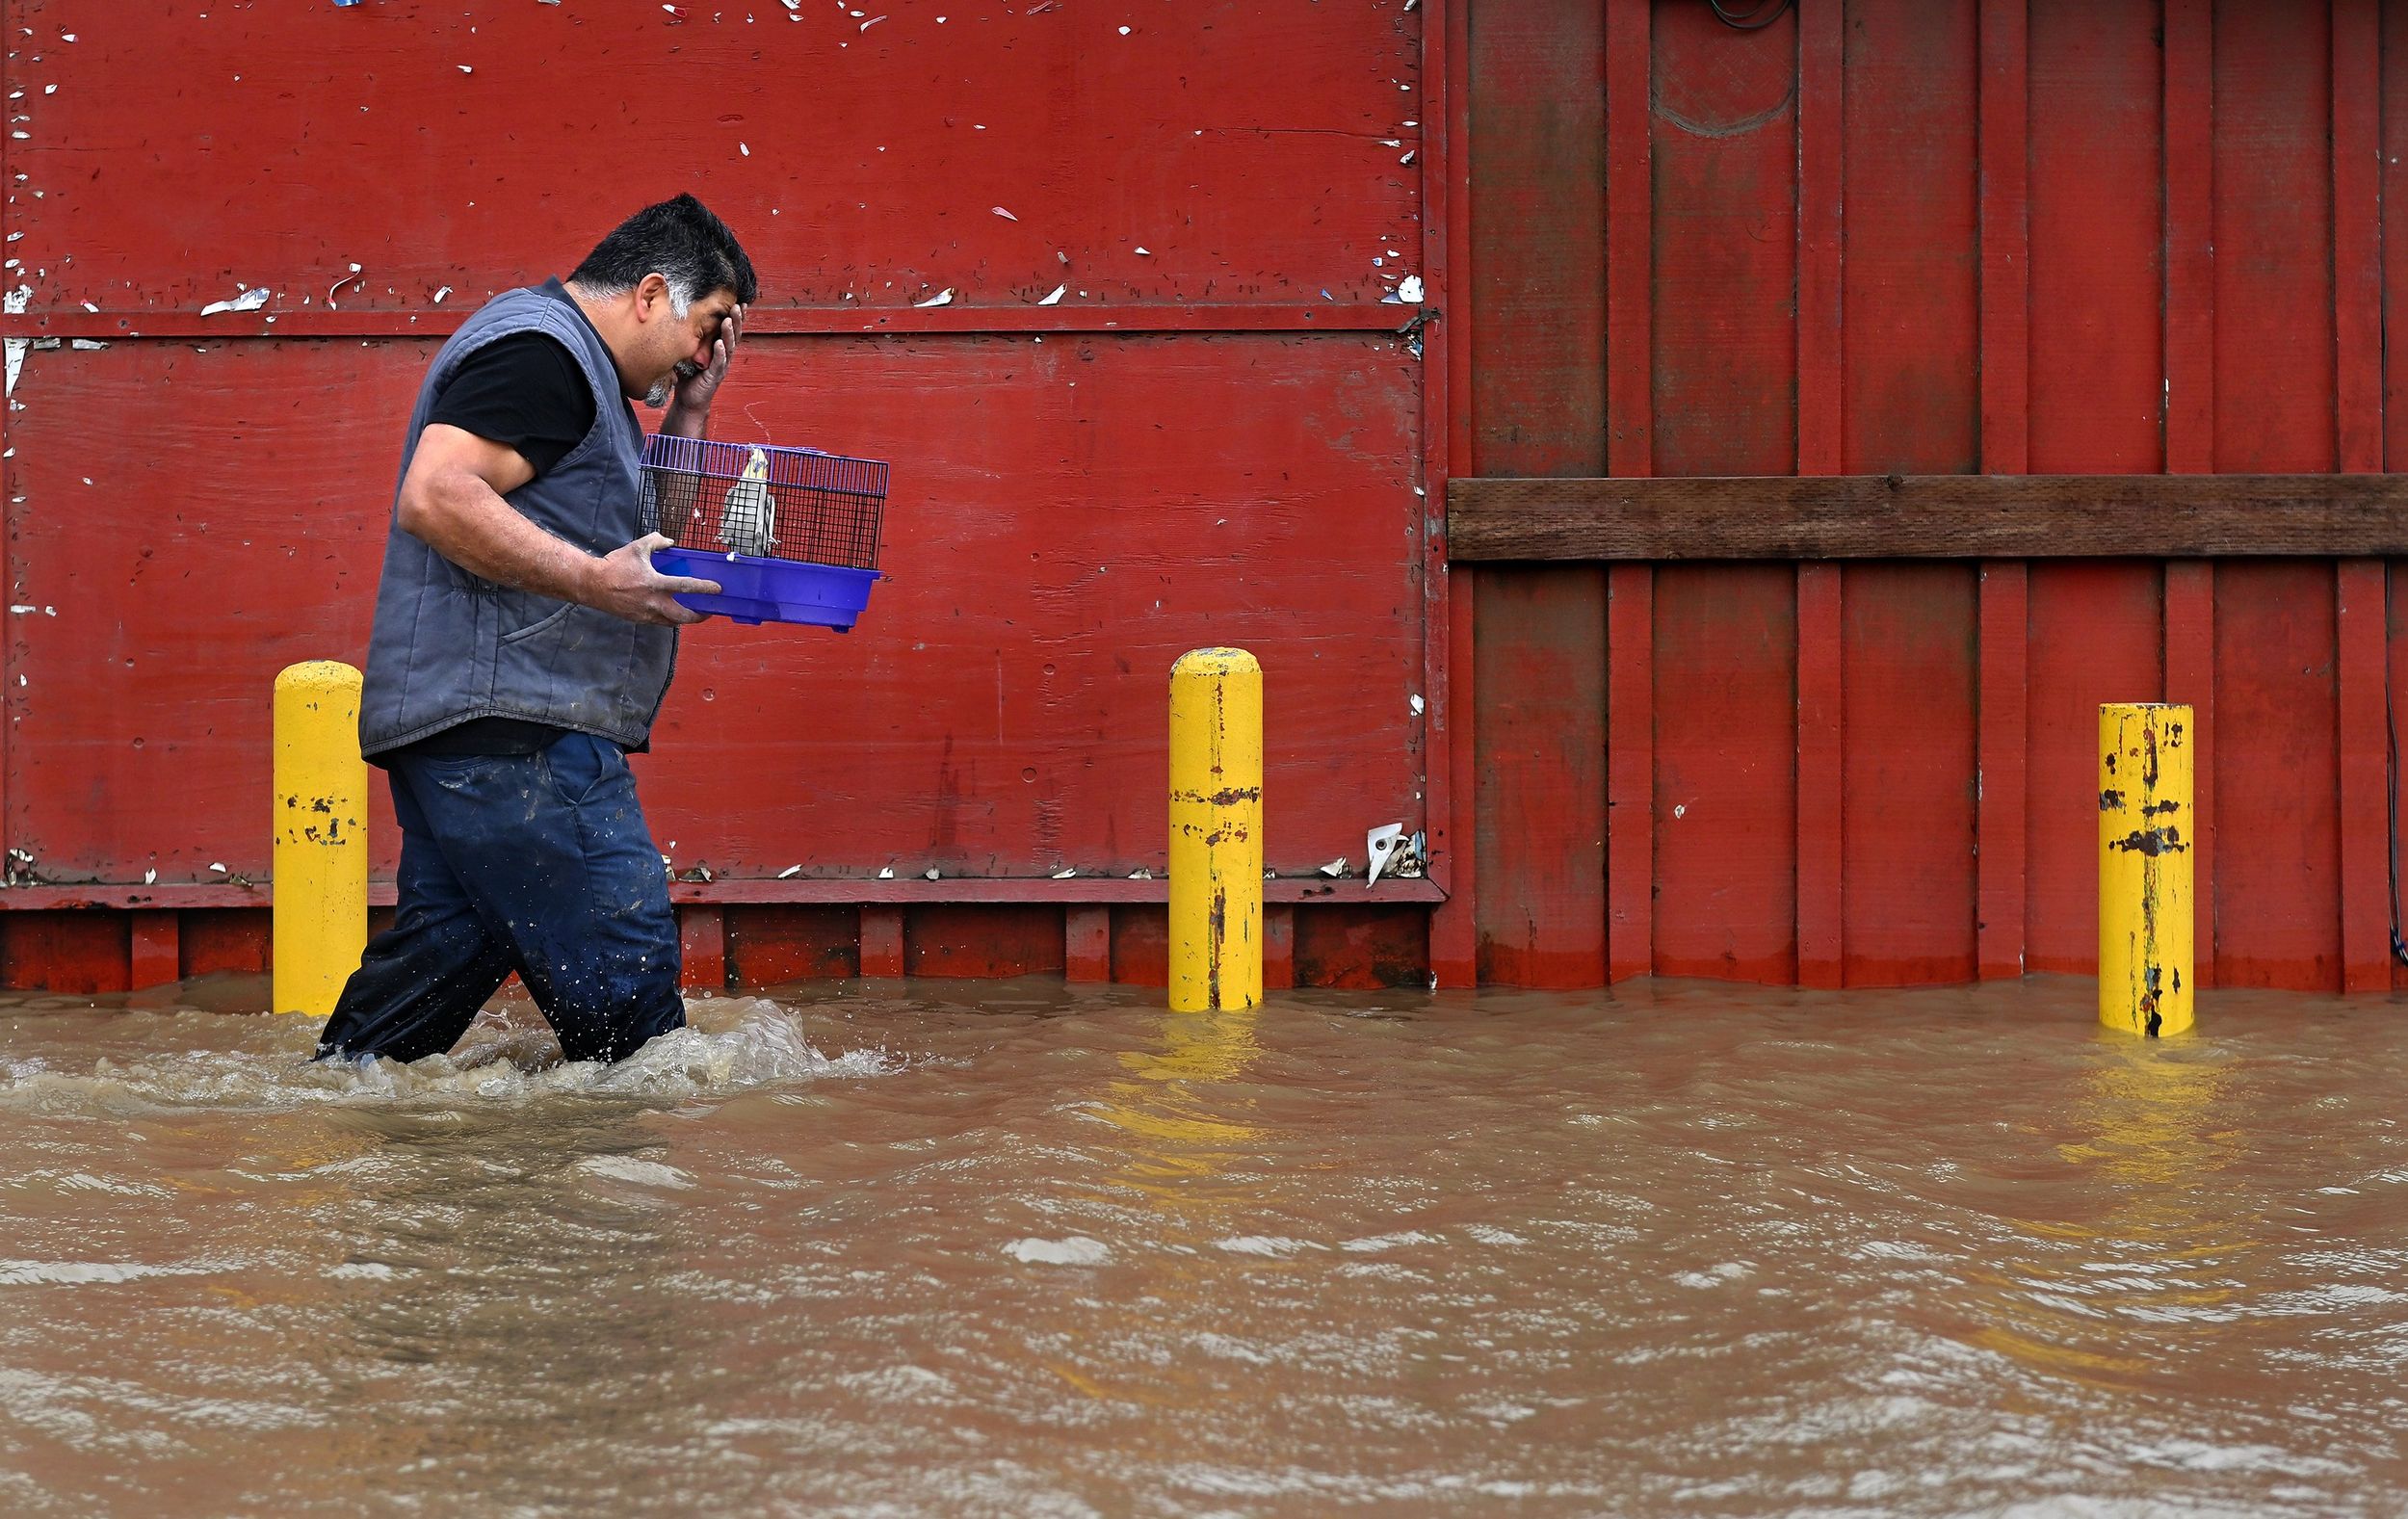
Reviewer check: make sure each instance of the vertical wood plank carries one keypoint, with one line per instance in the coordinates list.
(2395, 699)
(1630, 451)
(158, 950)
(1450, 747)
(2189, 632)
(1086, 943)
(2276, 826)
(1140, 944)
(2358, 234)
(1630, 239)
(2189, 626)
(1910, 312)
(1279, 947)
(1724, 159)
(881, 941)
(2097, 380)
(2391, 227)
(1631, 770)
(1455, 926)
(2005, 76)
(2098, 635)
(2003, 692)
(2189, 238)
(2004, 757)
(982, 939)
(1537, 371)
(702, 946)
(770, 943)
(2366, 822)
(1820, 778)
(1820, 104)
(2358, 389)
(1820, 751)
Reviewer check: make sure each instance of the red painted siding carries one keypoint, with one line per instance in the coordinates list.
(1214, 436)
(1994, 235)
(1999, 235)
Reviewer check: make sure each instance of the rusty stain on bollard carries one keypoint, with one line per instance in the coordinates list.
(319, 844)
(2145, 915)
(1216, 831)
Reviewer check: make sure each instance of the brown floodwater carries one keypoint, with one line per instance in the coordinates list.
(1025, 1249)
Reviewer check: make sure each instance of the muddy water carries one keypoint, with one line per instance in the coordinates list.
(1021, 1250)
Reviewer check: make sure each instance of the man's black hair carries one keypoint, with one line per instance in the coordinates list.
(679, 240)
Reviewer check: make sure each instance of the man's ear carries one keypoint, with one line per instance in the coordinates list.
(651, 297)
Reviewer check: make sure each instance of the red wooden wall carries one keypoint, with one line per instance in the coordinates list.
(1212, 434)
(2005, 236)
(2064, 236)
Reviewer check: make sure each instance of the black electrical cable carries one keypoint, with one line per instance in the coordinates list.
(1765, 13)
(2391, 765)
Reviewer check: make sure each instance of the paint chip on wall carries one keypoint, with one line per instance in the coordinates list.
(248, 300)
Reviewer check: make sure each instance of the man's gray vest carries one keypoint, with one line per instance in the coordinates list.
(449, 647)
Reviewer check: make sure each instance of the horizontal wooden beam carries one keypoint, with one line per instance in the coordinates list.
(1927, 517)
(317, 322)
(910, 891)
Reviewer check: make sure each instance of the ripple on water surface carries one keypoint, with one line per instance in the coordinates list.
(1018, 1248)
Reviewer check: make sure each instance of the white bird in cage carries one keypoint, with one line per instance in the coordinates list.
(749, 517)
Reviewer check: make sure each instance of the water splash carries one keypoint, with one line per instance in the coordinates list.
(730, 1045)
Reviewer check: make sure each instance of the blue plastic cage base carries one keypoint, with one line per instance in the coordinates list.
(755, 590)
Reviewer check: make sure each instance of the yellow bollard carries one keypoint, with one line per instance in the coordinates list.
(2145, 840)
(321, 829)
(1216, 831)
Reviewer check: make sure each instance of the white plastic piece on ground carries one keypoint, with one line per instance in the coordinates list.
(1377, 845)
(1064, 875)
(943, 298)
(888, 873)
(790, 871)
(1055, 298)
(1336, 868)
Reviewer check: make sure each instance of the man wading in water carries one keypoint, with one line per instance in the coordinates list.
(523, 642)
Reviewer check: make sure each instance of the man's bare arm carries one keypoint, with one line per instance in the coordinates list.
(451, 499)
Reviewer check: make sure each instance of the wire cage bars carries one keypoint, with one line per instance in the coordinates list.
(764, 502)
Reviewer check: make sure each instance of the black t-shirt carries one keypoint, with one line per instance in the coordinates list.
(526, 392)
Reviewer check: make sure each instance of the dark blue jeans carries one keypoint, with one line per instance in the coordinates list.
(535, 863)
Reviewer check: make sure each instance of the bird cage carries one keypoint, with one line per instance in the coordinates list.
(791, 534)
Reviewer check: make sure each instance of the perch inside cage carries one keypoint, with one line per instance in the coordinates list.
(790, 534)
